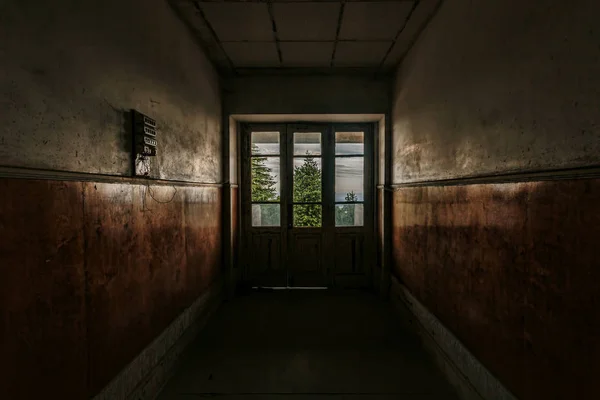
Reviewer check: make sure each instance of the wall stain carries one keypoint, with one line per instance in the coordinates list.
(512, 270)
(141, 270)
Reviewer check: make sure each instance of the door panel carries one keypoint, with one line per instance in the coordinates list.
(349, 253)
(266, 266)
(306, 261)
(307, 192)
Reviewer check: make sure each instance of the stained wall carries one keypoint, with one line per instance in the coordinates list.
(94, 264)
(495, 198)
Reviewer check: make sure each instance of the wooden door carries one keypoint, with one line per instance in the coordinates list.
(307, 204)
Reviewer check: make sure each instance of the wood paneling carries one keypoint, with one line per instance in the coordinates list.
(306, 258)
(349, 253)
(265, 265)
(235, 225)
(91, 273)
(42, 310)
(151, 250)
(512, 269)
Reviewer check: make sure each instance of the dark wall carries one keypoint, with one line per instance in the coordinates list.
(306, 95)
(93, 263)
(504, 85)
(509, 264)
(512, 270)
(150, 252)
(42, 290)
(92, 272)
(71, 70)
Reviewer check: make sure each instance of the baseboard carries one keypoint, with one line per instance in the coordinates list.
(470, 378)
(145, 376)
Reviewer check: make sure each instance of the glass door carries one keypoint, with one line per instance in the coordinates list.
(307, 214)
(306, 204)
(264, 201)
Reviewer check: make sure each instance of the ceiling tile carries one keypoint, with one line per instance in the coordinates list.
(211, 46)
(306, 21)
(360, 54)
(306, 54)
(374, 20)
(239, 21)
(252, 54)
(422, 13)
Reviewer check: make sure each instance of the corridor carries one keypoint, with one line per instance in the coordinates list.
(307, 344)
(159, 156)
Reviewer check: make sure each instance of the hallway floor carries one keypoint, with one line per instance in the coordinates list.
(313, 344)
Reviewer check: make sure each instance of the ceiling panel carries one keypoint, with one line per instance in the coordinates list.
(239, 21)
(306, 54)
(252, 54)
(306, 21)
(360, 54)
(189, 14)
(418, 19)
(374, 20)
(238, 34)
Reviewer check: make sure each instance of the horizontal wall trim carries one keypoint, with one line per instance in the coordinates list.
(385, 188)
(44, 174)
(508, 177)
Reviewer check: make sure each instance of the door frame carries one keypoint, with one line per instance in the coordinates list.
(328, 229)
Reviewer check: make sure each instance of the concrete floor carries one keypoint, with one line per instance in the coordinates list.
(307, 345)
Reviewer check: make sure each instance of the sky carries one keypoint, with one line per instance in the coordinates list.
(348, 170)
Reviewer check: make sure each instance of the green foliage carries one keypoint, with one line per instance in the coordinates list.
(307, 188)
(263, 189)
(263, 183)
(344, 215)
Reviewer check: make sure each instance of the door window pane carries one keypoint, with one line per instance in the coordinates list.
(349, 215)
(307, 143)
(265, 178)
(349, 143)
(266, 215)
(265, 143)
(307, 179)
(307, 215)
(349, 179)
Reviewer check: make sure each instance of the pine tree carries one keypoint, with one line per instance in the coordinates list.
(263, 183)
(307, 188)
(344, 215)
(263, 189)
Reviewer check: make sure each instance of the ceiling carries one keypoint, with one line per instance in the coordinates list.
(257, 36)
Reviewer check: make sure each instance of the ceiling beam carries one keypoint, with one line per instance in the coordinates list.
(311, 41)
(314, 71)
(300, 1)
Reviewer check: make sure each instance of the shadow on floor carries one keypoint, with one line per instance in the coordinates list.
(307, 345)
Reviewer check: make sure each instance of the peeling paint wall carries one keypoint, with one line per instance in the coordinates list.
(94, 267)
(70, 70)
(496, 87)
(504, 87)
